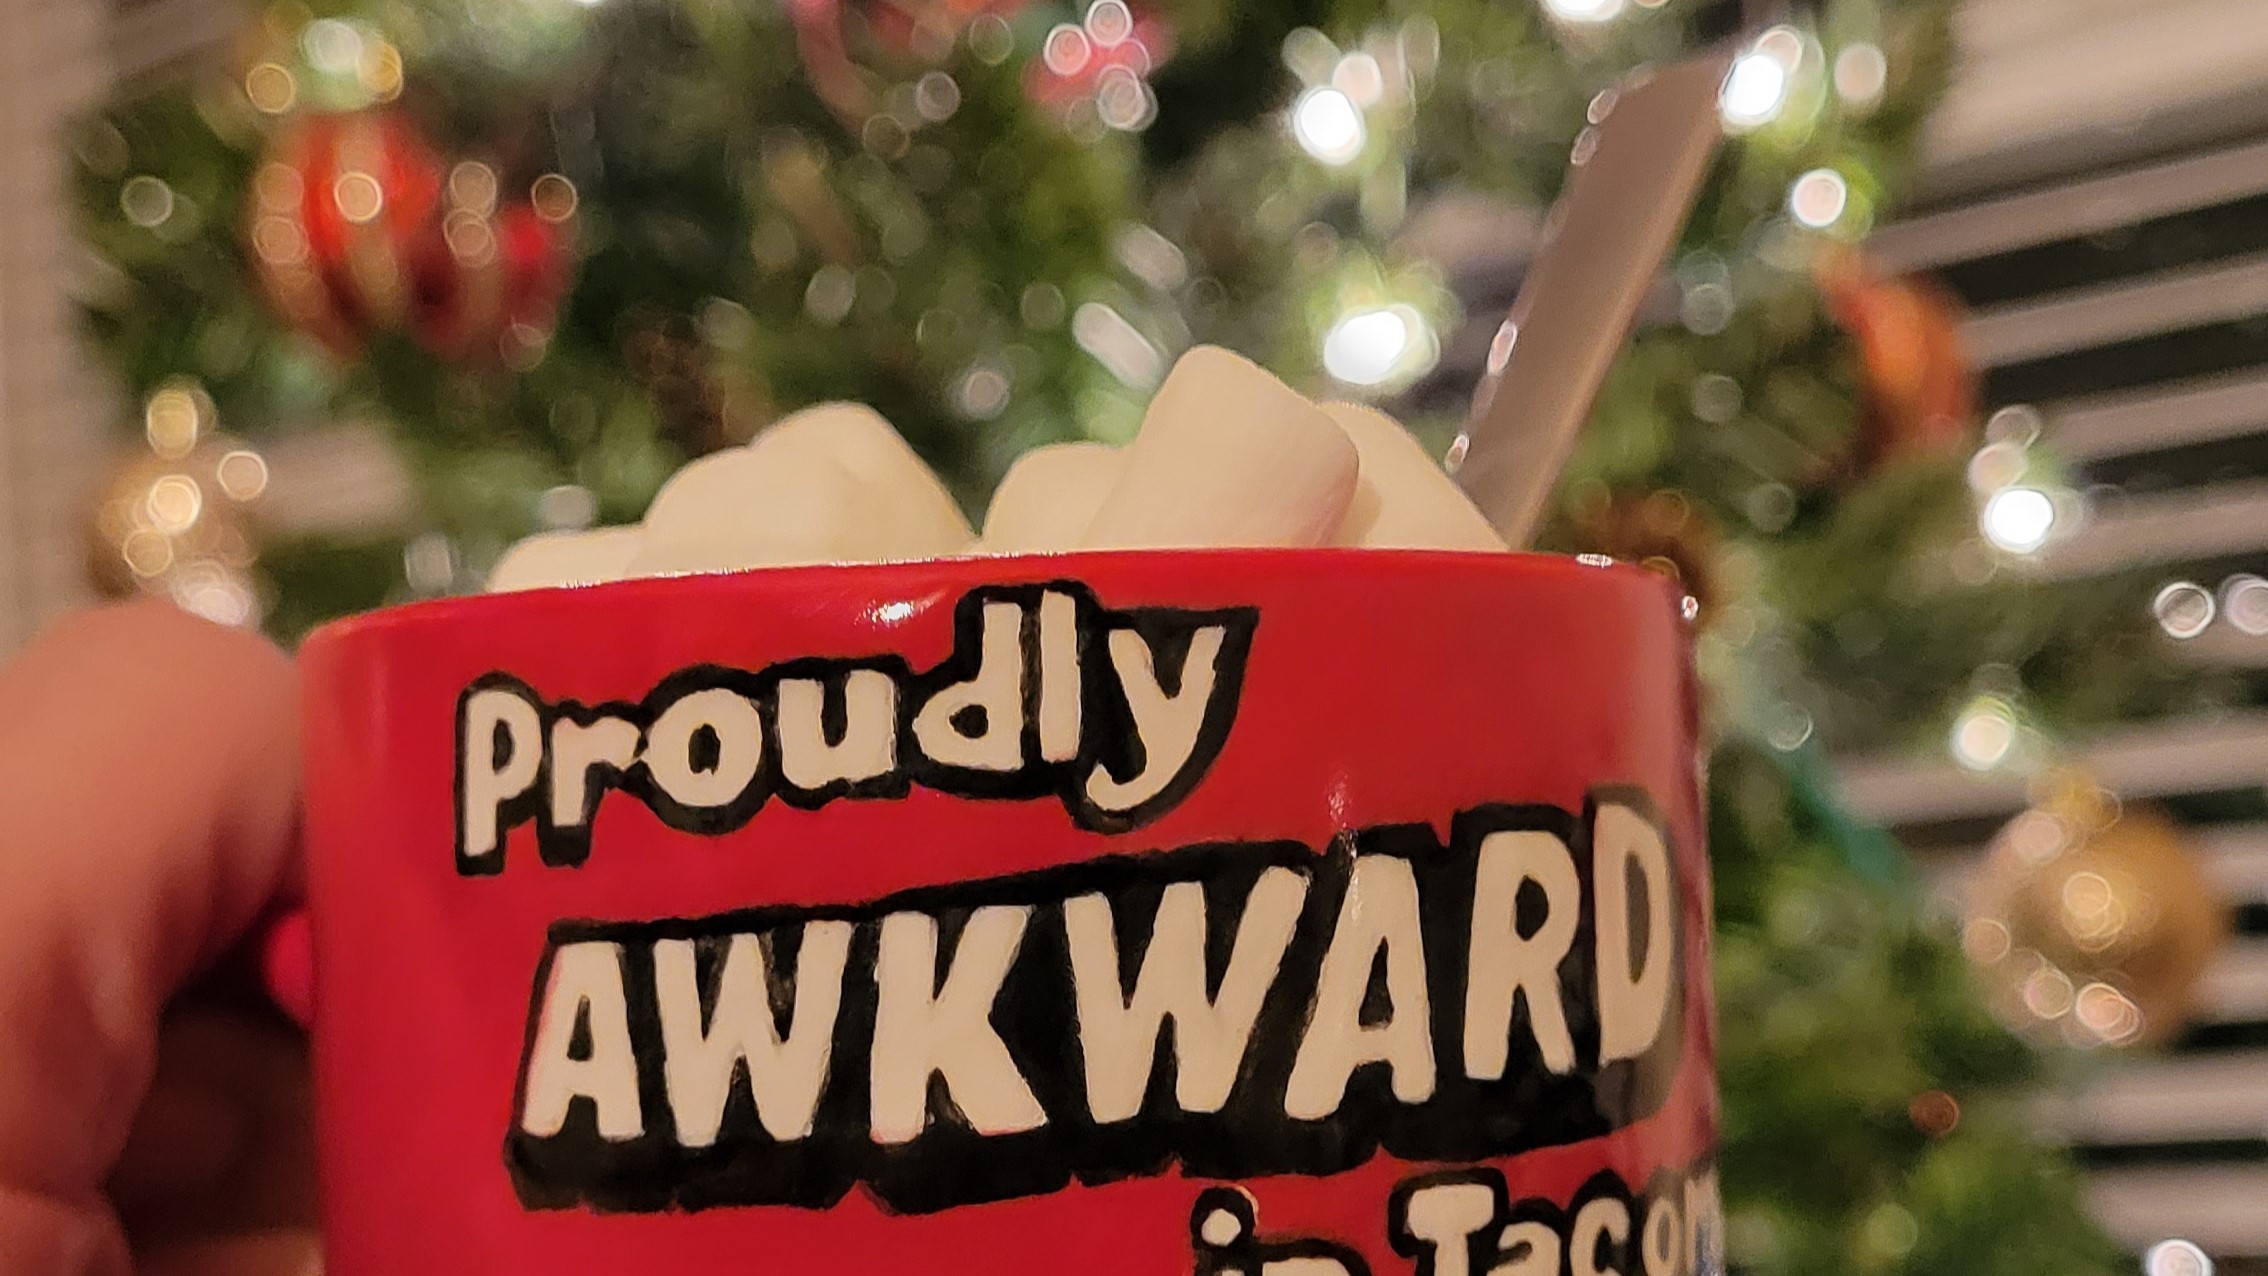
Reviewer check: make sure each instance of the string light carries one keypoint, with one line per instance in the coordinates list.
(1110, 22)
(1862, 71)
(2018, 423)
(1067, 50)
(1368, 347)
(2176, 1258)
(553, 197)
(1359, 76)
(2244, 600)
(1329, 126)
(2184, 609)
(1995, 466)
(215, 592)
(2108, 1014)
(1818, 198)
(991, 39)
(1756, 90)
(1789, 728)
(174, 504)
(1985, 734)
(2048, 993)
(146, 201)
(334, 47)
(147, 553)
(1380, 346)
(936, 96)
(1310, 55)
(358, 196)
(983, 392)
(1125, 101)
(380, 70)
(242, 475)
(2018, 519)
(175, 417)
(1585, 10)
(271, 88)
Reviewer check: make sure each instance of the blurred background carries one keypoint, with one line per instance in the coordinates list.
(1948, 413)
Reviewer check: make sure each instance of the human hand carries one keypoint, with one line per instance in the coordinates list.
(153, 1113)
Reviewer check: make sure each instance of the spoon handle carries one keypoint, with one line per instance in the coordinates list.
(1636, 176)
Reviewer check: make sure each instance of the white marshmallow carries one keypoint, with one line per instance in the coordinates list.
(1406, 499)
(911, 513)
(1048, 498)
(833, 484)
(565, 558)
(1228, 456)
(735, 509)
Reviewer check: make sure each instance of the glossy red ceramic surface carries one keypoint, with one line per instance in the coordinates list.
(1394, 694)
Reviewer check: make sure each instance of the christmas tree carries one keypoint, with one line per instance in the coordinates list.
(555, 248)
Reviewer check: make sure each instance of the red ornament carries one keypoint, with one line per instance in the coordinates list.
(1921, 391)
(358, 227)
(337, 218)
(489, 282)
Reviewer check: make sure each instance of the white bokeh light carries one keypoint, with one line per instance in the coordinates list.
(1110, 22)
(1329, 126)
(2018, 519)
(2176, 1258)
(1985, 734)
(1862, 71)
(1755, 91)
(1995, 466)
(1585, 10)
(2244, 600)
(1361, 78)
(1370, 347)
(1819, 198)
(1067, 49)
(2184, 609)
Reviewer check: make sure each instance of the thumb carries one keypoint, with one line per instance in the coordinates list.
(147, 762)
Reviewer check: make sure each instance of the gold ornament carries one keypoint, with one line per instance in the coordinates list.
(2093, 923)
(174, 518)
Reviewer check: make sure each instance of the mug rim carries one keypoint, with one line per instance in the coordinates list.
(843, 577)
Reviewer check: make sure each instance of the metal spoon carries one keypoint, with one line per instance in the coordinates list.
(1636, 176)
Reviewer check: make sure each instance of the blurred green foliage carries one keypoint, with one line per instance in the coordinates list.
(754, 237)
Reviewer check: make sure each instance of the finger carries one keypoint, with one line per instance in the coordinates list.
(43, 1236)
(146, 762)
(223, 1141)
(288, 1253)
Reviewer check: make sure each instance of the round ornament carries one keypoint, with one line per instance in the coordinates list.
(174, 519)
(2092, 921)
(489, 282)
(1919, 392)
(340, 214)
(358, 227)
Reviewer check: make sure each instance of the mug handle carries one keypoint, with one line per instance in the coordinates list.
(286, 948)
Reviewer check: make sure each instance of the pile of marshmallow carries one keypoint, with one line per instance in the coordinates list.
(1227, 456)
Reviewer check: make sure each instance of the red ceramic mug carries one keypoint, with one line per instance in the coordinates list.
(1283, 913)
